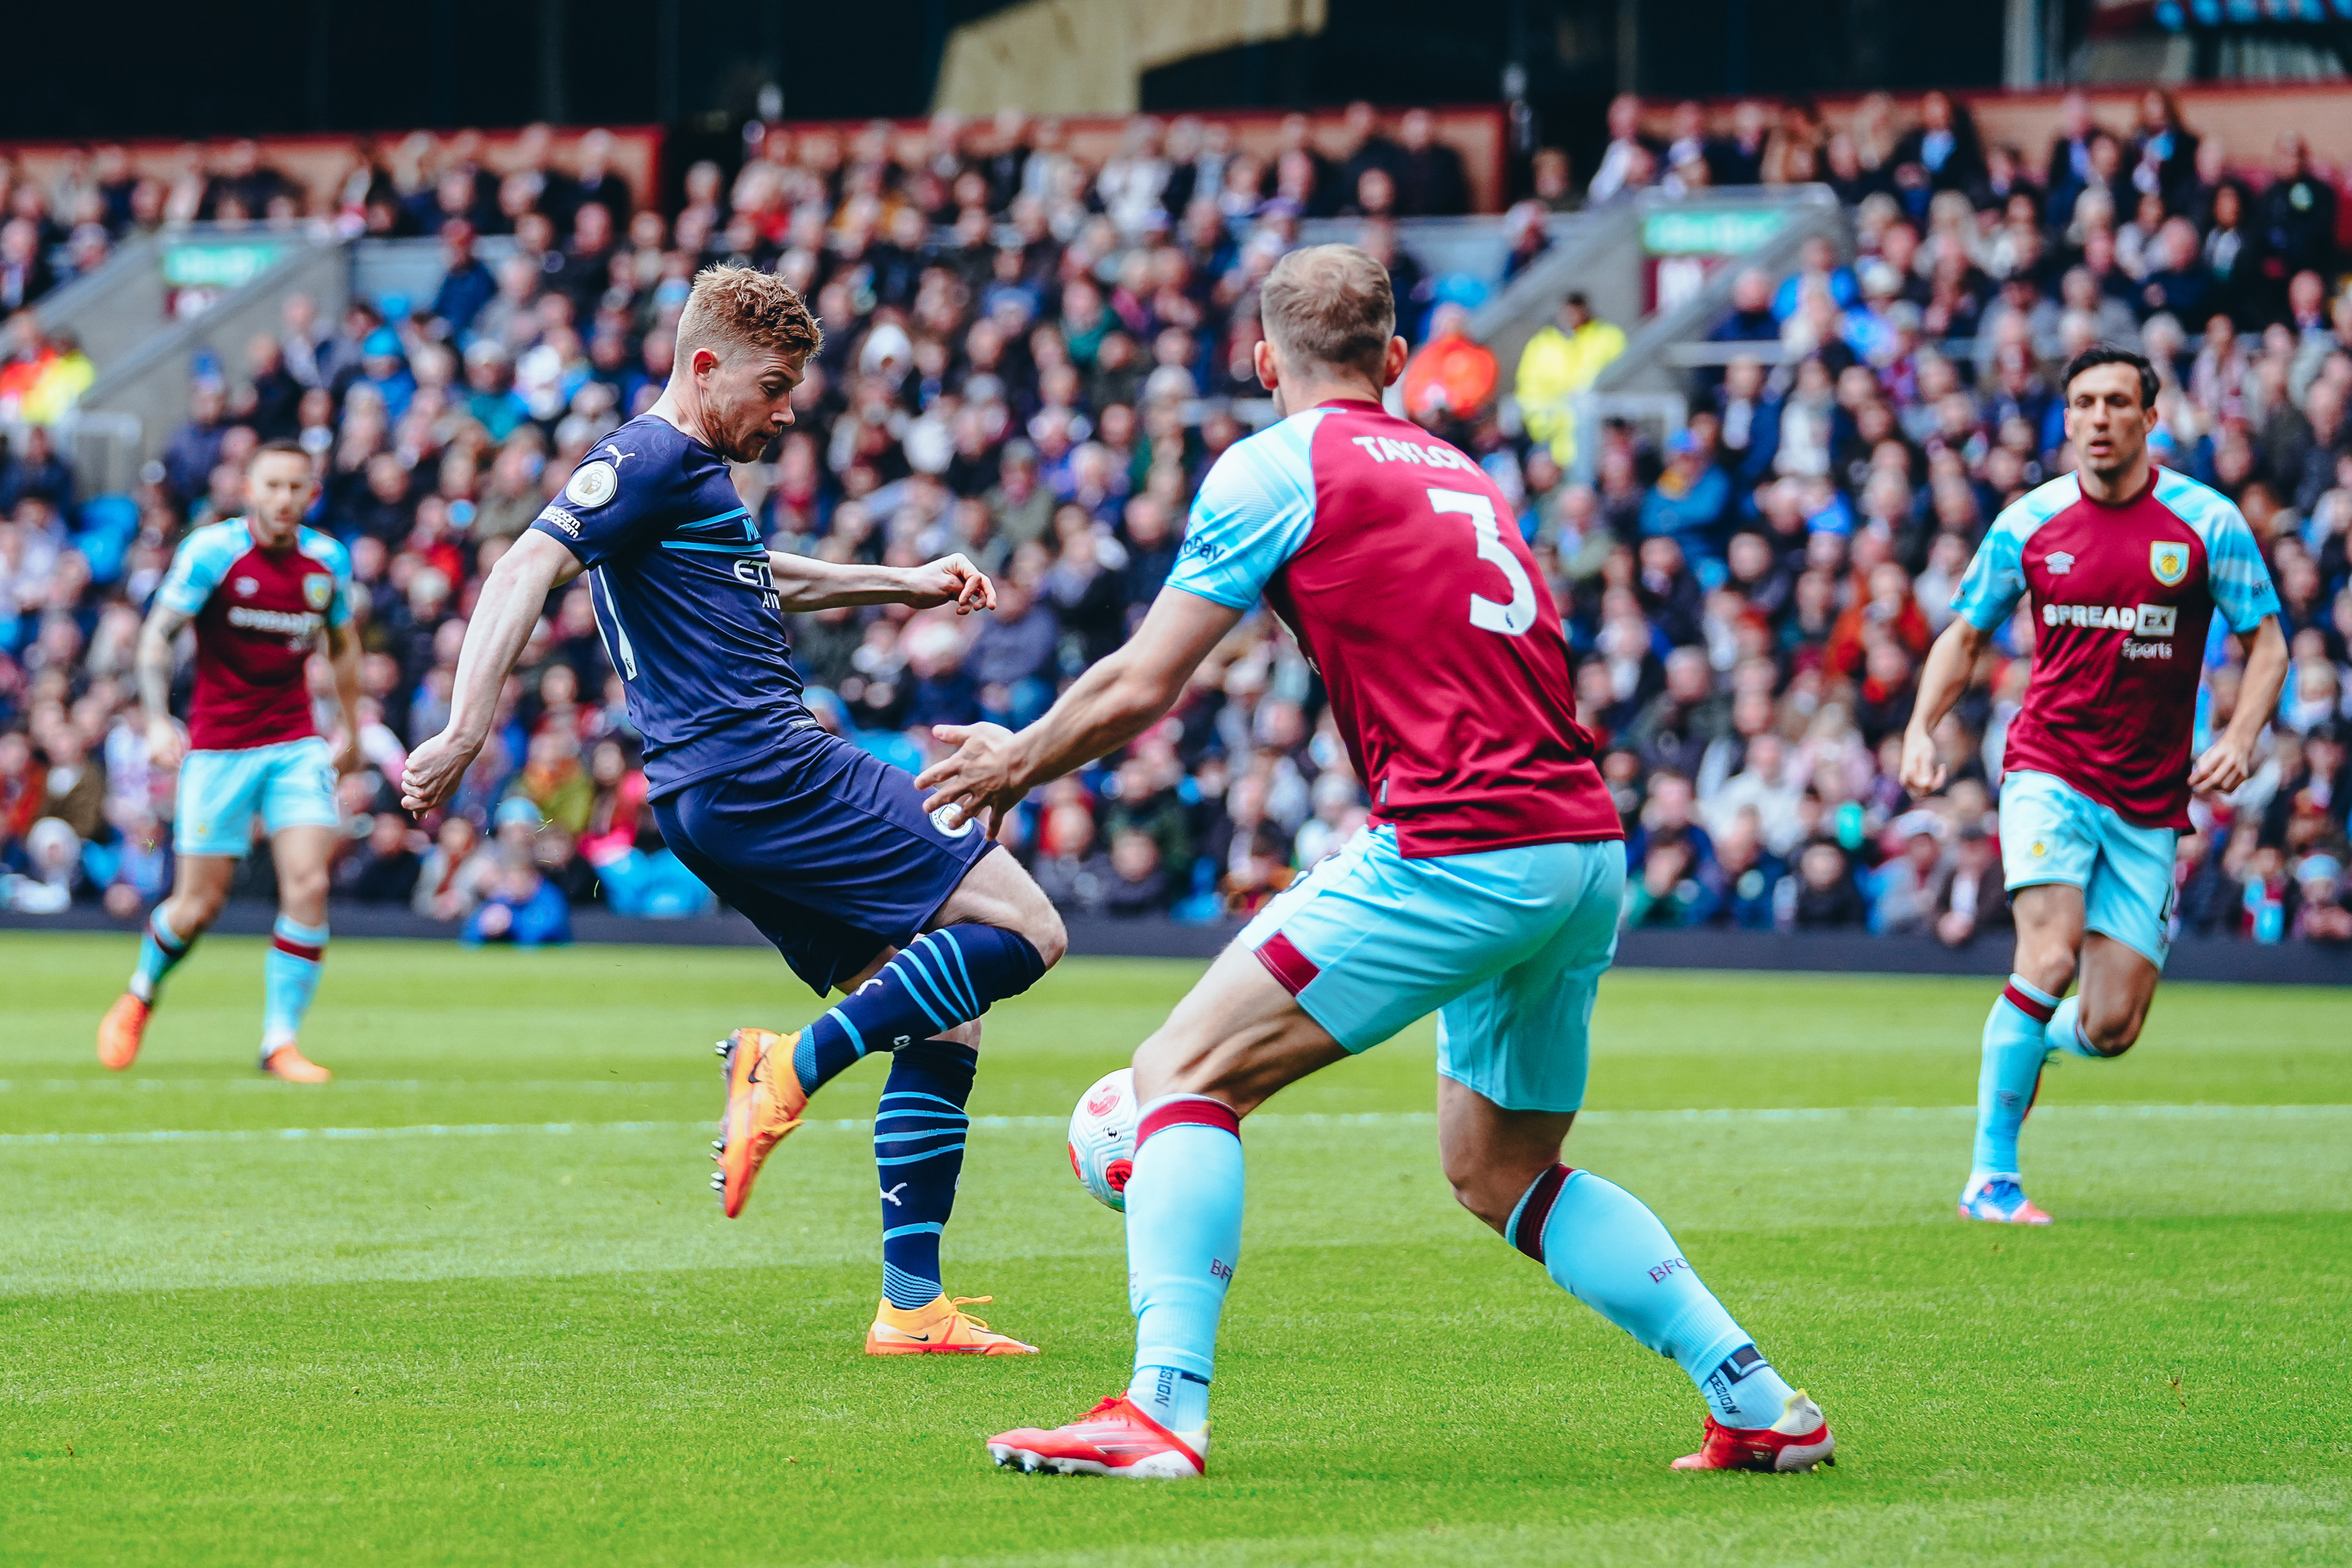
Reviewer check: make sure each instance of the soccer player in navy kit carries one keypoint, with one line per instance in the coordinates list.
(826, 849)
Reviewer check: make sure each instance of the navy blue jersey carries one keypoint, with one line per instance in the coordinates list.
(683, 601)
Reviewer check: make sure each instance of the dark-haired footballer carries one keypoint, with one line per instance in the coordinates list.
(2125, 564)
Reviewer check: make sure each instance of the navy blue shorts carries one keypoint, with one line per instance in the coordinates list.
(825, 847)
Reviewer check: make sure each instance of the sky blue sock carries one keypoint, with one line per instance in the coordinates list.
(1184, 1240)
(939, 980)
(289, 979)
(2015, 1046)
(1602, 1245)
(918, 1138)
(2065, 1030)
(159, 951)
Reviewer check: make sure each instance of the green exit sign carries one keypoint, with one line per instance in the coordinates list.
(1726, 231)
(219, 264)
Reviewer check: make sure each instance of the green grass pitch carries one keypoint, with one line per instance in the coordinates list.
(509, 1325)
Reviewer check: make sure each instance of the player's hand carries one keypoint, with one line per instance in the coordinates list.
(347, 757)
(167, 742)
(434, 771)
(950, 580)
(982, 779)
(2227, 763)
(1922, 772)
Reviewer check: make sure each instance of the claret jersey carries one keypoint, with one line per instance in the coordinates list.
(258, 613)
(684, 601)
(2122, 599)
(1399, 566)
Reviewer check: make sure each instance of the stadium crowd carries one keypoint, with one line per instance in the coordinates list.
(1034, 361)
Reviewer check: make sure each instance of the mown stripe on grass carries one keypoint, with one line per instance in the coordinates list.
(1388, 1118)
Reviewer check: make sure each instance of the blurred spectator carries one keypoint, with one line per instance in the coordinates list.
(385, 868)
(1560, 361)
(519, 906)
(451, 880)
(1452, 376)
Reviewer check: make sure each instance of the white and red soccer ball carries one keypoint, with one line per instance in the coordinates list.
(1102, 1138)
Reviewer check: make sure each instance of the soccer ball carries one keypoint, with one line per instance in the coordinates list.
(1102, 1138)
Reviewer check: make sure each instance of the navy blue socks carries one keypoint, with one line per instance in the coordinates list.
(940, 979)
(918, 1138)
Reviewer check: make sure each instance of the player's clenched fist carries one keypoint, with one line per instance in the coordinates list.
(433, 772)
(1923, 774)
(167, 742)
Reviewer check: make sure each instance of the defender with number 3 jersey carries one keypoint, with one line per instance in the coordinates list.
(1454, 695)
(1486, 887)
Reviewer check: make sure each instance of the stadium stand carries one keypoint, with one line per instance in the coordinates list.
(1038, 341)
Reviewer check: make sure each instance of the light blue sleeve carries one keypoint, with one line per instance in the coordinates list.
(2234, 569)
(329, 552)
(1995, 581)
(1996, 576)
(199, 565)
(1253, 511)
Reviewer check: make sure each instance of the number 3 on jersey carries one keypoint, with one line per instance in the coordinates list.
(1511, 620)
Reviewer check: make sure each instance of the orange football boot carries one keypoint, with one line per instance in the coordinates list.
(764, 1102)
(288, 1063)
(121, 1030)
(941, 1328)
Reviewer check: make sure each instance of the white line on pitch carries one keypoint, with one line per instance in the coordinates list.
(1309, 1119)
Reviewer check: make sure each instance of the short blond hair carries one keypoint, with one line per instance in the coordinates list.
(1329, 305)
(744, 308)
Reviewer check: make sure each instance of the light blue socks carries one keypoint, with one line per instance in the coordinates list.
(1184, 1240)
(1602, 1245)
(2016, 1044)
(289, 979)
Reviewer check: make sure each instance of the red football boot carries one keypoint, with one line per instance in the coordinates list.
(1114, 1438)
(1799, 1441)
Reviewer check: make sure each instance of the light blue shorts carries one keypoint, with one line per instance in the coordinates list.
(2052, 832)
(289, 785)
(1506, 946)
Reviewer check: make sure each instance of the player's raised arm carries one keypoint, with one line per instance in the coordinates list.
(513, 597)
(804, 583)
(1114, 701)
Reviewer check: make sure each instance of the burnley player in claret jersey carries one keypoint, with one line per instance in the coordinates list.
(2125, 565)
(1485, 889)
(825, 847)
(263, 593)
